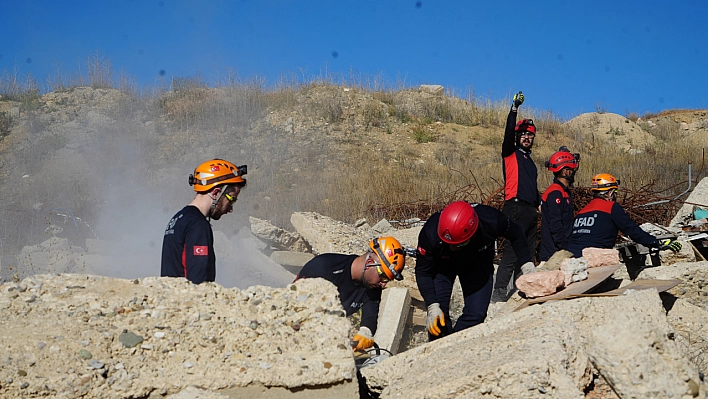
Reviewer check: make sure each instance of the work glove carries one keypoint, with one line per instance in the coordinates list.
(436, 319)
(363, 339)
(672, 245)
(528, 267)
(518, 100)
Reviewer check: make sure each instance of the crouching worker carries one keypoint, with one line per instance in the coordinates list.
(459, 243)
(597, 224)
(360, 280)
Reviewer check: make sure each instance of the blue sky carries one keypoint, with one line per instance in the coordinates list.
(568, 57)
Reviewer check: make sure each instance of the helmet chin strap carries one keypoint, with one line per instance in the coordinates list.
(215, 200)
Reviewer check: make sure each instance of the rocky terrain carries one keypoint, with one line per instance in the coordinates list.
(82, 313)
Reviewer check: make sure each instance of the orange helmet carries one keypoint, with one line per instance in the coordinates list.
(562, 159)
(604, 182)
(391, 255)
(216, 172)
(458, 222)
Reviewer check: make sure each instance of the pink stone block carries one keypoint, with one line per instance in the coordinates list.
(597, 257)
(541, 283)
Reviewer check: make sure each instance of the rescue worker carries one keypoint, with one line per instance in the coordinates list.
(458, 242)
(188, 243)
(521, 196)
(360, 280)
(557, 203)
(597, 224)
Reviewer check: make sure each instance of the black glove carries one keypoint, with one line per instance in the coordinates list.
(518, 100)
(672, 245)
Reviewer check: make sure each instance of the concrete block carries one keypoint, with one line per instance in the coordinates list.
(290, 258)
(393, 316)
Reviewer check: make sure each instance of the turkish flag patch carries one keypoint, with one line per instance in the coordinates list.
(558, 201)
(422, 251)
(201, 250)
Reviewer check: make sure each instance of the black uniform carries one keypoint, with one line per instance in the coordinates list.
(556, 219)
(337, 269)
(521, 200)
(597, 224)
(437, 265)
(188, 247)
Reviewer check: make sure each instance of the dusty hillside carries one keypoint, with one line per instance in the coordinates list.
(96, 161)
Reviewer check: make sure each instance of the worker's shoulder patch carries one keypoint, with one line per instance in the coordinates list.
(201, 250)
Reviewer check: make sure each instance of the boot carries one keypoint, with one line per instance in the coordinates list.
(498, 295)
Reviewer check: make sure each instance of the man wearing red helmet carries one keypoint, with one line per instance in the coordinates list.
(188, 243)
(521, 196)
(359, 280)
(557, 203)
(459, 243)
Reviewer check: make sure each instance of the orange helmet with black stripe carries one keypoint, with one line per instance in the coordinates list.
(604, 182)
(217, 172)
(391, 254)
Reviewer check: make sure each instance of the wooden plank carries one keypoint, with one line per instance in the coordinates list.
(659, 285)
(596, 275)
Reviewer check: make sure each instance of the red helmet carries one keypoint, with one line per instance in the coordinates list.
(563, 159)
(525, 125)
(458, 222)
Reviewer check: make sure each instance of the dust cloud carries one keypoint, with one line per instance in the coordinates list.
(108, 178)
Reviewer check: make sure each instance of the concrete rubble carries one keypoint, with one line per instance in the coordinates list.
(541, 283)
(549, 351)
(278, 237)
(86, 336)
(698, 197)
(597, 257)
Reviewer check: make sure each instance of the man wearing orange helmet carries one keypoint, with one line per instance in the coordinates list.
(360, 279)
(458, 242)
(521, 196)
(597, 224)
(557, 203)
(188, 243)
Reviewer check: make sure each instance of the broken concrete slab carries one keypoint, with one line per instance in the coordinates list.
(689, 322)
(274, 341)
(540, 283)
(597, 257)
(646, 363)
(596, 275)
(280, 238)
(545, 351)
(694, 277)
(394, 310)
(699, 196)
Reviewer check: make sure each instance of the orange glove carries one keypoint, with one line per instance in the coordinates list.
(363, 339)
(436, 319)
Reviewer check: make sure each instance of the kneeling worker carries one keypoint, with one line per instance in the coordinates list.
(597, 224)
(360, 280)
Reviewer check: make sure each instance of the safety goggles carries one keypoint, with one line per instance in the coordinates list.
(371, 262)
(382, 276)
(232, 200)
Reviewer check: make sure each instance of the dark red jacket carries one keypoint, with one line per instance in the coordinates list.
(520, 172)
(597, 224)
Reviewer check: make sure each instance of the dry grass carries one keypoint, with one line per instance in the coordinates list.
(348, 147)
